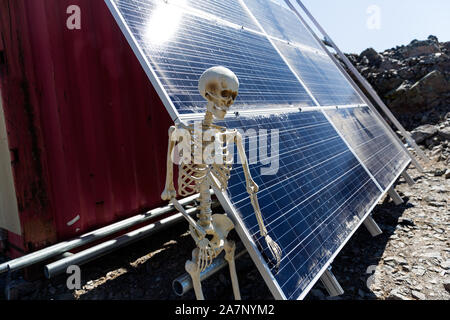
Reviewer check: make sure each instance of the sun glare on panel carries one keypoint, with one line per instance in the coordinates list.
(164, 22)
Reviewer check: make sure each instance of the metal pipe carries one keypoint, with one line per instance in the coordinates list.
(97, 251)
(183, 283)
(367, 86)
(87, 238)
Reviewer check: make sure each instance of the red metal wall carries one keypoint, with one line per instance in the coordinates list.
(87, 132)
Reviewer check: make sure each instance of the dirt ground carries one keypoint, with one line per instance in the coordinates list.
(410, 260)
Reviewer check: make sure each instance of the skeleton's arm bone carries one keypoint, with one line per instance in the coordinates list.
(191, 221)
(169, 190)
(252, 187)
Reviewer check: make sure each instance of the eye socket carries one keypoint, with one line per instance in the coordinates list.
(229, 94)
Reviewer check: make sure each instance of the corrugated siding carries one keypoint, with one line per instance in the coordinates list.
(89, 131)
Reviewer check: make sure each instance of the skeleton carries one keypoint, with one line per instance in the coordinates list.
(219, 86)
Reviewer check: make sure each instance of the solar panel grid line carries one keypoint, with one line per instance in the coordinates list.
(354, 152)
(234, 114)
(351, 81)
(301, 170)
(284, 59)
(295, 90)
(232, 22)
(275, 20)
(322, 208)
(311, 32)
(312, 232)
(322, 222)
(251, 246)
(321, 76)
(310, 94)
(305, 200)
(327, 265)
(157, 85)
(228, 23)
(383, 156)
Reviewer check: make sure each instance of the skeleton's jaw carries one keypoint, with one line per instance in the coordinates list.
(220, 113)
(218, 110)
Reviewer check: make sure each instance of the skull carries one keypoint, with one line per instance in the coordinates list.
(220, 87)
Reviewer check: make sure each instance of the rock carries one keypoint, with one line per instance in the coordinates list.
(446, 285)
(419, 48)
(445, 265)
(372, 56)
(434, 254)
(423, 133)
(447, 174)
(406, 222)
(395, 294)
(444, 133)
(418, 295)
(419, 271)
(436, 204)
(439, 172)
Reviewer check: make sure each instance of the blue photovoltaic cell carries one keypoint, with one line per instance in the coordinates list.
(197, 44)
(314, 201)
(280, 22)
(320, 75)
(229, 10)
(378, 150)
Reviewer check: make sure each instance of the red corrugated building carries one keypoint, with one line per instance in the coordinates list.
(83, 135)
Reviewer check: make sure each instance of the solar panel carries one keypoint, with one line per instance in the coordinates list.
(279, 22)
(320, 75)
(332, 164)
(197, 44)
(372, 142)
(320, 194)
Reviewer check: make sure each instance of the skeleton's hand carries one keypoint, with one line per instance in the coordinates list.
(206, 254)
(252, 187)
(168, 194)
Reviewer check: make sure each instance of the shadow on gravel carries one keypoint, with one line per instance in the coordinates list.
(146, 269)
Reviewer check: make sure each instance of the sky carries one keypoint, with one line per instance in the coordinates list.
(356, 25)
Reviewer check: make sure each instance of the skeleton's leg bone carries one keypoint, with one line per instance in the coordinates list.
(193, 270)
(230, 248)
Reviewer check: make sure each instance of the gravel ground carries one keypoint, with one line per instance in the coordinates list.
(410, 260)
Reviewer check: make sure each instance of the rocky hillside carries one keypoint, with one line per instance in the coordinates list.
(413, 80)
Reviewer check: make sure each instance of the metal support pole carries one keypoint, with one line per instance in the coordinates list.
(395, 197)
(408, 178)
(97, 251)
(87, 238)
(183, 283)
(364, 82)
(331, 284)
(372, 226)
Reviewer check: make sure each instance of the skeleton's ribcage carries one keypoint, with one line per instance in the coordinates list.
(192, 175)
